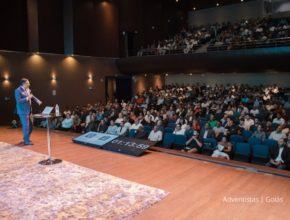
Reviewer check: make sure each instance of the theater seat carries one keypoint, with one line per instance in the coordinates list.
(270, 143)
(132, 133)
(236, 139)
(209, 145)
(168, 130)
(254, 141)
(260, 154)
(179, 142)
(148, 129)
(247, 134)
(172, 125)
(168, 140)
(242, 152)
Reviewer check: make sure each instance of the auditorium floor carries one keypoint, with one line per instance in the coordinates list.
(198, 190)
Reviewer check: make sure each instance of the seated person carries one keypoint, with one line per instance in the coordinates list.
(219, 130)
(280, 155)
(248, 122)
(122, 129)
(259, 133)
(67, 123)
(193, 145)
(56, 122)
(224, 149)
(77, 126)
(277, 134)
(112, 129)
(102, 127)
(178, 130)
(119, 119)
(155, 134)
(43, 123)
(207, 132)
(136, 125)
(279, 120)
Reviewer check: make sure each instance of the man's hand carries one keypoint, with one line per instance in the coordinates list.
(40, 102)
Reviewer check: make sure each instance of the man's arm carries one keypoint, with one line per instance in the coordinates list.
(18, 97)
(36, 100)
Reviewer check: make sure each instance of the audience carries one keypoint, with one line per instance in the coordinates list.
(257, 32)
(196, 111)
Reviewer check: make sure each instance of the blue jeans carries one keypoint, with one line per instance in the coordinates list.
(26, 127)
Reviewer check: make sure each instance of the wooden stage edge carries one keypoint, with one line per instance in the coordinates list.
(198, 189)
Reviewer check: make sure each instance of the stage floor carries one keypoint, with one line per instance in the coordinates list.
(198, 190)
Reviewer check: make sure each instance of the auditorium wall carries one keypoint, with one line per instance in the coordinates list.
(228, 13)
(56, 79)
(143, 82)
(281, 79)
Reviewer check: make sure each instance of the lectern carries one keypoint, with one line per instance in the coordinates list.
(49, 160)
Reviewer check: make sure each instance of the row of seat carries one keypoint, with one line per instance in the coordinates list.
(255, 151)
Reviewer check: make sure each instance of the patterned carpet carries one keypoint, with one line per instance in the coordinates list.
(65, 191)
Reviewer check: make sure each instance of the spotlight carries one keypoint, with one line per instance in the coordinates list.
(217, 4)
(6, 77)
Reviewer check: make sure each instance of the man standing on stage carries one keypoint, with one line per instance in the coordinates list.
(24, 98)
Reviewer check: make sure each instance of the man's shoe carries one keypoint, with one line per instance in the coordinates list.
(20, 143)
(28, 144)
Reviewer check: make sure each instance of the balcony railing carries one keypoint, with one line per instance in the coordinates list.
(278, 42)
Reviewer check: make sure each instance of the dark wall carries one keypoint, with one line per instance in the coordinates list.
(141, 82)
(137, 17)
(13, 23)
(50, 21)
(96, 28)
(97, 25)
(269, 78)
(72, 85)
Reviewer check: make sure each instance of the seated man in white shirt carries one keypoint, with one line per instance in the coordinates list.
(248, 122)
(122, 129)
(155, 135)
(178, 130)
(136, 125)
(127, 124)
(112, 129)
(277, 134)
(255, 111)
(279, 120)
(219, 130)
(119, 119)
(67, 123)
